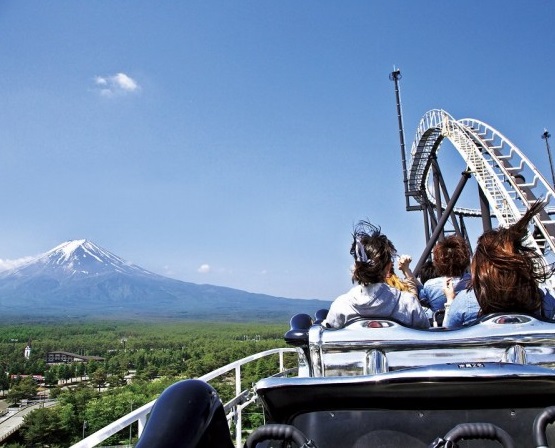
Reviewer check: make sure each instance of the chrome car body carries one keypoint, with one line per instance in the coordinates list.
(370, 346)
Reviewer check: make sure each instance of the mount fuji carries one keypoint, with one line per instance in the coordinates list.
(79, 279)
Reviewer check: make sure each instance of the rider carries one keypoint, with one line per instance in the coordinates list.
(373, 253)
(451, 259)
(507, 275)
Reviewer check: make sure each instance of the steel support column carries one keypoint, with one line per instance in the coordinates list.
(484, 207)
(437, 192)
(441, 223)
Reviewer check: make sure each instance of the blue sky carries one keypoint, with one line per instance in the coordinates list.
(237, 142)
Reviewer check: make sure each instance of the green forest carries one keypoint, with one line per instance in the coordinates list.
(154, 354)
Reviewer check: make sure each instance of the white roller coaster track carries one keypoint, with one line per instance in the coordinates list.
(508, 179)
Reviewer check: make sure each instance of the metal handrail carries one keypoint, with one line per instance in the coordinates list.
(140, 415)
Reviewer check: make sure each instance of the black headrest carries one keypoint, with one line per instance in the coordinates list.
(298, 333)
(320, 316)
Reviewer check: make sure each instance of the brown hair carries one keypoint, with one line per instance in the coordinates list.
(451, 256)
(427, 271)
(378, 252)
(506, 272)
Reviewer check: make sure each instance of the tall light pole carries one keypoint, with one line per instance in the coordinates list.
(395, 76)
(546, 135)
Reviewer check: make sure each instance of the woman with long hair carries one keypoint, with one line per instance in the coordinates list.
(373, 255)
(507, 275)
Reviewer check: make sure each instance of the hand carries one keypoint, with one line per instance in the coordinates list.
(449, 289)
(404, 262)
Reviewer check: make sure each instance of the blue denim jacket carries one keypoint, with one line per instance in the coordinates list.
(465, 308)
(432, 296)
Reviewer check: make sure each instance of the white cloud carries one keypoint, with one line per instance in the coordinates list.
(204, 268)
(118, 84)
(11, 264)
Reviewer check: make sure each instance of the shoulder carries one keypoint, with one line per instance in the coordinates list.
(347, 296)
(339, 309)
(382, 289)
(433, 287)
(434, 283)
(407, 296)
(466, 295)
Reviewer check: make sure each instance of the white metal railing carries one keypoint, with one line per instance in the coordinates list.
(140, 415)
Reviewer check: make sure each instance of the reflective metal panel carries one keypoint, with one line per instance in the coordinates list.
(370, 346)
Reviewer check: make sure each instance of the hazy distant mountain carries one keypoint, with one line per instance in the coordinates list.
(79, 279)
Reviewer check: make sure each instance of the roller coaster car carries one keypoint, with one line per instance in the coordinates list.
(376, 383)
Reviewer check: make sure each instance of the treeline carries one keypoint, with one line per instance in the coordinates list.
(157, 355)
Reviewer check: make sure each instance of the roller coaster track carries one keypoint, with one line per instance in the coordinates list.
(505, 176)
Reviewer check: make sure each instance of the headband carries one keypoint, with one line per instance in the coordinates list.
(360, 252)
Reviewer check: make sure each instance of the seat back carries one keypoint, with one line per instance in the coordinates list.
(369, 346)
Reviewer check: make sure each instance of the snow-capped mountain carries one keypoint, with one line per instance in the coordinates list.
(80, 279)
(79, 258)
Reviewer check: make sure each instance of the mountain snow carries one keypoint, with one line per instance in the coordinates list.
(76, 258)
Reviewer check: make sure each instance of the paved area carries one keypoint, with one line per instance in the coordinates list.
(13, 419)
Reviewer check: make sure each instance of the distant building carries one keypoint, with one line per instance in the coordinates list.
(37, 378)
(66, 357)
(27, 351)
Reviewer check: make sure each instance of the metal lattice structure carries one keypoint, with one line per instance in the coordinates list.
(508, 182)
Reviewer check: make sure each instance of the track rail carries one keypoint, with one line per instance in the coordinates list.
(508, 179)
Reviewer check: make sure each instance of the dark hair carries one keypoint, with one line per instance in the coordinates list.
(427, 271)
(505, 271)
(451, 256)
(378, 252)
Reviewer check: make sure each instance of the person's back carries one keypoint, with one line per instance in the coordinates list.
(372, 297)
(461, 311)
(377, 300)
(451, 258)
(432, 294)
(465, 309)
